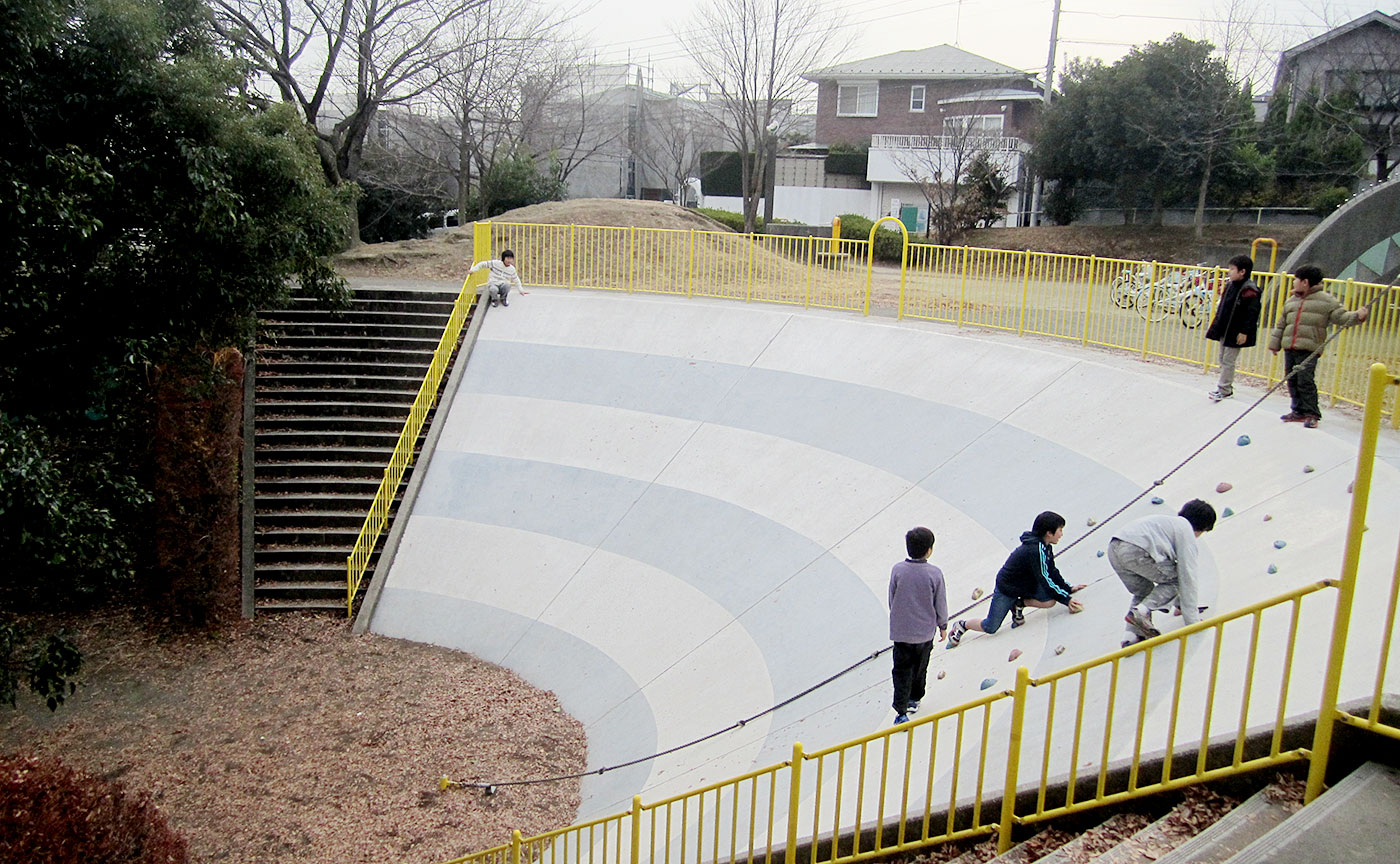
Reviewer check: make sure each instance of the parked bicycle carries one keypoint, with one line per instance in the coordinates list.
(1184, 293)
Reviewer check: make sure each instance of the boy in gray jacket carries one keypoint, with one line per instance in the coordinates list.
(1156, 559)
(918, 606)
(500, 276)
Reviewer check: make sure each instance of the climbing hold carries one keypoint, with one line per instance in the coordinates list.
(976, 593)
(1099, 553)
(1242, 441)
(987, 682)
(1156, 500)
(1059, 649)
(941, 673)
(1015, 652)
(1279, 544)
(1308, 469)
(1227, 512)
(1273, 568)
(1268, 518)
(1222, 487)
(1349, 486)
(1091, 521)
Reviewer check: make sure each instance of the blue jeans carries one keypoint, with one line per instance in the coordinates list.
(1001, 605)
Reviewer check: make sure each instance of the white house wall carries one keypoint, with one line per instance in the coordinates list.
(807, 204)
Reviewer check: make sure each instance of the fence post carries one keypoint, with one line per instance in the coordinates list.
(636, 829)
(1025, 291)
(571, 257)
(1151, 290)
(515, 846)
(1346, 586)
(481, 241)
(1089, 300)
(1013, 760)
(631, 255)
(794, 796)
(748, 290)
(690, 277)
(962, 290)
(1339, 358)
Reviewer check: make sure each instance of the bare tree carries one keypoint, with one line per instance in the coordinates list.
(1364, 95)
(676, 133)
(939, 163)
(340, 61)
(753, 52)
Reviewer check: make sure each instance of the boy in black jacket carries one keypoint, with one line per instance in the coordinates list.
(1028, 578)
(1236, 322)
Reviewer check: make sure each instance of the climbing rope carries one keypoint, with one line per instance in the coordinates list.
(491, 787)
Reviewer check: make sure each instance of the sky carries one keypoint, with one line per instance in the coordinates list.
(1013, 32)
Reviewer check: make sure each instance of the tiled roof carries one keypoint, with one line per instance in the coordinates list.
(940, 61)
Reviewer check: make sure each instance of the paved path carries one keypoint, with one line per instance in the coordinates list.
(675, 513)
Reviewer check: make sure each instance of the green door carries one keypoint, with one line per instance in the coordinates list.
(909, 215)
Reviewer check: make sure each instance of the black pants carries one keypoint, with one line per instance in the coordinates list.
(910, 673)
(1302, 387)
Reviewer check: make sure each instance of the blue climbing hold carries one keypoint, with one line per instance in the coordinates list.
(1100, 553)
(988, 682)
(1273, 568)
(1227, 512)
(1279, 544)
(1242, 441)
(1156, 500)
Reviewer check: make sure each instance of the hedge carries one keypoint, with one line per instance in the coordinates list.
(889, 245)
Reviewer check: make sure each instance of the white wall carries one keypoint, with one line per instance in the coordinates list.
(807, 204)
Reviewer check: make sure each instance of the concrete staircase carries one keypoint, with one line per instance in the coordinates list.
(1355, 822)
(333, 391)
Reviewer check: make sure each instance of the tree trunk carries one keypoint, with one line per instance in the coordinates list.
(1383, 165)
(1201, 196)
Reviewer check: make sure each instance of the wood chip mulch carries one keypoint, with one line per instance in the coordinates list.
(289, 739)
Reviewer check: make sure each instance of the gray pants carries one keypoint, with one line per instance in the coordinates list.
(498, 292)
(1229, 356)
(1153, 585)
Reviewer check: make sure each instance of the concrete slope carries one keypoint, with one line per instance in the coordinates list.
(675, 514)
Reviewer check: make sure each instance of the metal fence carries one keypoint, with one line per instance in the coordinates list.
(1153, 309)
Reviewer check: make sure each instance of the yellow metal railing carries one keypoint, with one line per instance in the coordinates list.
(936, 779)
(358, 561)
(1154, 309)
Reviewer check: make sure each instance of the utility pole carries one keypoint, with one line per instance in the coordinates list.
(1039, 193)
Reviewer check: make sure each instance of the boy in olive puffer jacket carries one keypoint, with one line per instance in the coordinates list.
(1301, 330)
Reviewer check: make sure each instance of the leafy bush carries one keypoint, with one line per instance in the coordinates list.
(390, 214)
(732, 221)
(51, 813)
(856, 164)
(721, 174)
(1328, 200)
(889, 245)
(517, 181)
(1062, 206)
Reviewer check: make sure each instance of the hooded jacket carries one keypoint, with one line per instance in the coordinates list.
(1305, 319)
(1030, 571)
(1237, 313)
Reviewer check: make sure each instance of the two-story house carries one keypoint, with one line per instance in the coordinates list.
(926, 114)
(1360, 62)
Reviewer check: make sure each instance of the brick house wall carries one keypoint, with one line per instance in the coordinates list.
(893, 116)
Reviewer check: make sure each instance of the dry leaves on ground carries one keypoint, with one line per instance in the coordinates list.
(288, 739)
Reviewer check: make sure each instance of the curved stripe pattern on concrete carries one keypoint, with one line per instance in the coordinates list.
(675, 514)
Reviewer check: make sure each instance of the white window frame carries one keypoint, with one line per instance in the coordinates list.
(964, 120)
(922, 100)
(874, 104)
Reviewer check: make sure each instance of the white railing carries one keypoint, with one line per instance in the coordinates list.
(991, 143)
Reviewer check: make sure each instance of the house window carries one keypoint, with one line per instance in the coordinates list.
(916, 98)
(857, 100)
(975, 124)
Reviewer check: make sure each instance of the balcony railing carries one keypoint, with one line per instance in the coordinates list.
(986, 143)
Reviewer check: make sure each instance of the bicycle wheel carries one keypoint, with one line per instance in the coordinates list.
(1123, 290)
(1195, 309)
(1152, 302)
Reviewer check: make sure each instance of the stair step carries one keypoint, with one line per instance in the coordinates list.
(1098, 839)
(327, 589)
(327, 536)
(329, 470)
(1174, 828)
(366, 411)
(368, 355)
(265, 605)
(1259, 814)
(372, 439)
(367, 370)
(331, 327)
(302, 555)
(280, 384)
(1355, 821)
(289, 398)
(308, 520)
(416, 315)
(347, 455)
(338, 340)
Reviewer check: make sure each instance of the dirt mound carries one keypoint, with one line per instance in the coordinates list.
(611, 212)
(447, 254)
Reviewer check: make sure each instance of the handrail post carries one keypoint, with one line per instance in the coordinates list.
(636, 829)
(1089, 300)
(794, 797)
(571, 256)
(1346, 586)
(1340, 357)
(962, 290)
(481, 240)
(690, 276)
(1025, 291)
(631, 255)
(1013, 760)
(515, 846)
(1151, 290)
(870, 256)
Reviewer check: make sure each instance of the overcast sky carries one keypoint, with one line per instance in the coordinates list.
(1014, 32)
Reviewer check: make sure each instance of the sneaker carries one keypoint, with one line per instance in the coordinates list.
(1290, 417)
(1018, 614)
(505, 302)
(1311, 422)
(1132, 640)
(901, 718)
(1140, 620)
(1218, 394)
(955, 635)
(913, 707)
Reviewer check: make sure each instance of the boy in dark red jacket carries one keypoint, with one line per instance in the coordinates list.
(1236, 322)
